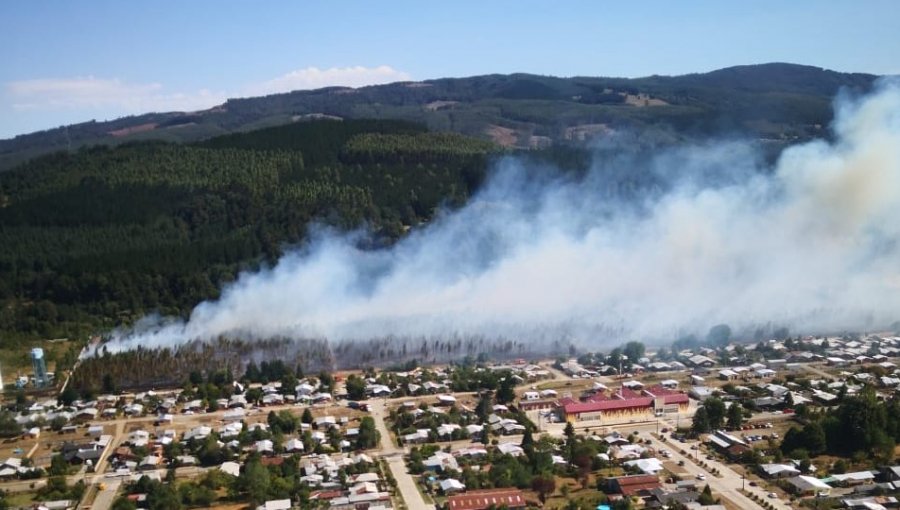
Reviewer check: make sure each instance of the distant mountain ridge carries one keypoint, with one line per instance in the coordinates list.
(777, 102)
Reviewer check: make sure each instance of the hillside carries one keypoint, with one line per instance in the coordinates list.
(780, 103)
(102, 236)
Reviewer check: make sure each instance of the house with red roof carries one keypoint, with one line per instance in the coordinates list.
(513, 499)
(624, 405)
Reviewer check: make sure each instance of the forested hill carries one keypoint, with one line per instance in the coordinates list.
(101, 236)
(779, 103)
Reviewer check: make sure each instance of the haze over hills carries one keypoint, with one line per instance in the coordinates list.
(780, 103)
(152, 215)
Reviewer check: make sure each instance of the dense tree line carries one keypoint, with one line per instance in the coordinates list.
(102, 236)
(862, 425)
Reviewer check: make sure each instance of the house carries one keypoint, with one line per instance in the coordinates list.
(892, 473)
(276, 504)
(778, 470)
(701, 393)
(851, 479)
(446, 430)
(451, 486)
(634, 485)
(808, 486)
(149, 462)
(419, 436)
(650, 466)
(871, 503)
(536, 405)
(764, 373)
(669, 384)
(293, 445)
(512, 499)
(231, 468)
(510, 449)
(265, 446)
(446, 400)
(728, 444)
(441, 461)
(728, 375)
(699, 360)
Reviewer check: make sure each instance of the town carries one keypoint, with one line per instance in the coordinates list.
(806, 422)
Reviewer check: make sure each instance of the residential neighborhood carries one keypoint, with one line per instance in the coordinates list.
(730, 426)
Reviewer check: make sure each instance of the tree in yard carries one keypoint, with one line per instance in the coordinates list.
(163, 497)
(543, 484)
(634, 351)
(527, 439)
(569, 431)
(735, 417)
(789, 399)
(715, 412)
(719, 335)
(58, 466)
(307, 416)
(253, 395)
(706, 498)
(255, 481)
(701, 421)
(368, 435)
(356, 387)
(124, 504)
(57, 423)
(69, 395)
(615, 357)
(506, 393)
(483, 410)
(8, 425)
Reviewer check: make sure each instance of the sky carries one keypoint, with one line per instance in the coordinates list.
(64, 62)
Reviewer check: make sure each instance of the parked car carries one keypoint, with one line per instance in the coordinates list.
(701, 476)
(772, 495)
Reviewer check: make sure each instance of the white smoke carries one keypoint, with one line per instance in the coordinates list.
(811, 243)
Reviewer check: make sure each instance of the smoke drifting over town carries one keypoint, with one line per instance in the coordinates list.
(811, 244)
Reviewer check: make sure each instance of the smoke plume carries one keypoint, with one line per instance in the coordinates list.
(810, 243)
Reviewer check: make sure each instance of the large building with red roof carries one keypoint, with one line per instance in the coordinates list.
(624, 405)
(483, 499)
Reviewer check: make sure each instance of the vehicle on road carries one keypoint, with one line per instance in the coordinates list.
(701, 476)
(772, 495)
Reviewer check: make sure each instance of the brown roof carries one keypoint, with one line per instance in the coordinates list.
(326, 494)
(271, 461)
(608, 405)
(634, 484)
(480, 500)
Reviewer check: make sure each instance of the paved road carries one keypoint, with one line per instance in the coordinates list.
(105, 498)
(393, 454)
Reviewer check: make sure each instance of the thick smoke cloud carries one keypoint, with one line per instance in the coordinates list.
(811, 244)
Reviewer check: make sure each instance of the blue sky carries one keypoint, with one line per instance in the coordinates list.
(65, 62)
